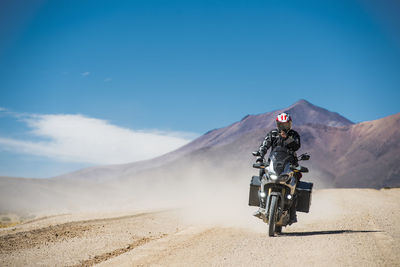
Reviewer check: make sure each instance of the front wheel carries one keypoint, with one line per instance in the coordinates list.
(272, 215)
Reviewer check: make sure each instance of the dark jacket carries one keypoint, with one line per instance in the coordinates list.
(273, 139)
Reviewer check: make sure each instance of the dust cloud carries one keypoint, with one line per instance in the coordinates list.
(201, 193)
(204, 194)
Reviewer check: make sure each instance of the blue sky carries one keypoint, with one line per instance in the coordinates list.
(172, 70)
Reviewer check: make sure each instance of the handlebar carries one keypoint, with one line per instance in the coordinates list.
(299, 168)
(304, 156)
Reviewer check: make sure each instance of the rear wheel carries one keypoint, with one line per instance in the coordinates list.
(272, 215)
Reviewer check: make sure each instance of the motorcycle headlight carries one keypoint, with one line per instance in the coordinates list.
(273, 176)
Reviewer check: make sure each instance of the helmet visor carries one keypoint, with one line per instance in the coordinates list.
(284, 126)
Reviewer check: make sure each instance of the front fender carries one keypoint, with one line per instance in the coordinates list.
(280, 201)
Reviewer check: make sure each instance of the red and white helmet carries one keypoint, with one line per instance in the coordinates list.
(283, 122)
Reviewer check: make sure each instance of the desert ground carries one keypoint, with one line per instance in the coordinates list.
(345, 227)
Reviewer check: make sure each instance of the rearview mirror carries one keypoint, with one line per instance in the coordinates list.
(304, 157)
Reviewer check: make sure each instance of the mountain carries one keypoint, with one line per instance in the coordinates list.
(355, 155)
(302, 113)
(343, 154)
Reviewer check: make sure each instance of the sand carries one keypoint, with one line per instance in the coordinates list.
(346, 227)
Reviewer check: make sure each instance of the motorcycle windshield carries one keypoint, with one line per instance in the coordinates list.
(280, 159)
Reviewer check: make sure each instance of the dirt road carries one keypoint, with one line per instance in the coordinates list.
(346, 227)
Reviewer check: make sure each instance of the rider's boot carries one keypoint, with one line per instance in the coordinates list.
(293, 216)
(258, 213)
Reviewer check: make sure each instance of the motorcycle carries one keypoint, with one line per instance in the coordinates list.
(277, 189)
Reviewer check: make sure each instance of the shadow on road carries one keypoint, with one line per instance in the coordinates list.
(333, 232)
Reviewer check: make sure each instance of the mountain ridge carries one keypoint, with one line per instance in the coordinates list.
(267, 121)
(214, 137)
(302, 111)
(362, 155)
(260, 123)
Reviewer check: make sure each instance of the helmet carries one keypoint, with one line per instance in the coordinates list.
(284, 122)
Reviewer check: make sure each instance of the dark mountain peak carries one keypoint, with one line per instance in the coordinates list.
(302, 102)
(304, 112)
(245, 117)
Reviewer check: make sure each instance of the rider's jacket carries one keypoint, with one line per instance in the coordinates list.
(273, 139)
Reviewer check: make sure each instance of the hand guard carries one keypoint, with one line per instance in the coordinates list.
(259, 160)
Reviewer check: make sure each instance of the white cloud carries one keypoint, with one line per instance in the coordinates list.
(77, 138)
(3, 109)
(85, 73)
(107, 79)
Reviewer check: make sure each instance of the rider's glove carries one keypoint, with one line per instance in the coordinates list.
(259, 160)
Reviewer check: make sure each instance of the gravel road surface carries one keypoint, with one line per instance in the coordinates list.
(346, 227)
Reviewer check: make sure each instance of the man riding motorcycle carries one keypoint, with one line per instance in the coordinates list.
(283, 136)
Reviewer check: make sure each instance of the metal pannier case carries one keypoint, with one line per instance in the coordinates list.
(304, 190)
(254, 188)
